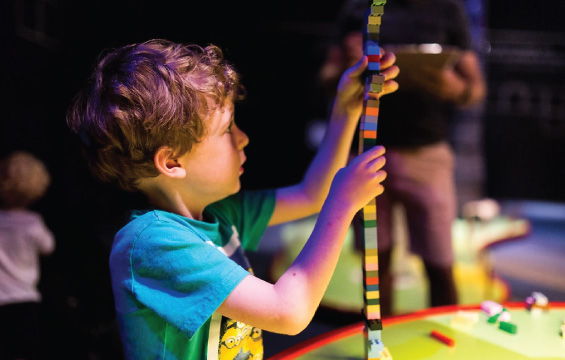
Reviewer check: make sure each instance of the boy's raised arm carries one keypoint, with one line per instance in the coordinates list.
(306, 198)
(288, 306)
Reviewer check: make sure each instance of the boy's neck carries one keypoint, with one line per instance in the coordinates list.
(172, 201)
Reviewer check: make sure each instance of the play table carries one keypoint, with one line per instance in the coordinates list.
(408, 337)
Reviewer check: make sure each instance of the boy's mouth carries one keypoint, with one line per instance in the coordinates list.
(241, 166)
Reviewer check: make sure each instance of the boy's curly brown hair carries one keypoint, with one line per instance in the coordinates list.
(143, 96)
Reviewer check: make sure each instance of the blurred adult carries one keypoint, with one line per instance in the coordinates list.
(414, 126)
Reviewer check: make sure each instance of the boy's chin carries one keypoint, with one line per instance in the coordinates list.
(236, 189)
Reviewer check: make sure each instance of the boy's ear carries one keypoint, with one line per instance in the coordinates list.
(167, 164)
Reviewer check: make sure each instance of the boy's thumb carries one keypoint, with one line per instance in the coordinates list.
(359, 67)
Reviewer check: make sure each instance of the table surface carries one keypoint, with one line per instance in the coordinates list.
(408, 337)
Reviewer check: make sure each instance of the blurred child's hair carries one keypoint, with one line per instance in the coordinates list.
(23, 180)
(144, 96)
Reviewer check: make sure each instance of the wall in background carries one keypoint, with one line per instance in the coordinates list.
(525, 114)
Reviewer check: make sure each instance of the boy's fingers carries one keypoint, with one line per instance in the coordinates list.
(387, 59)
(389, 87)
(390, 72)
(374, 153)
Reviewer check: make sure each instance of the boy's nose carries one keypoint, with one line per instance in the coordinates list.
(242, 138)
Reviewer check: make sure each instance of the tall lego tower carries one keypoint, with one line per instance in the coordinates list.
(374, 348)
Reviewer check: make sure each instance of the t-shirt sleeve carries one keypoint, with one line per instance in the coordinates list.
(179, 276)
(250, 211)
(43, 237)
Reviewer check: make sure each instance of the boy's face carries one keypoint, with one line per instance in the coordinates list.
(215, 164)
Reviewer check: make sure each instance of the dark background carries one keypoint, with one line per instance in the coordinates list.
(49, 47)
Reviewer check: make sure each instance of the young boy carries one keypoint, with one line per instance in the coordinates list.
(158, 117)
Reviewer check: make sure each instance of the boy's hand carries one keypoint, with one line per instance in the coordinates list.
(351, 88)
(360, 181)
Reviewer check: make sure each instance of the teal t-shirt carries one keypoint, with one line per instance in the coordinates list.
(170, 273)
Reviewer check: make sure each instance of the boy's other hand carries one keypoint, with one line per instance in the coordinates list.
(351, 88)
(360, 181)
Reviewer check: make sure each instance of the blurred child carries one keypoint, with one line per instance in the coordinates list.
(158, 117)
(23, 239)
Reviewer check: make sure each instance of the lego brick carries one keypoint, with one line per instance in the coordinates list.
(373, 311)
(373, 29)
(372, 103)
(370, 119)
(367, 209)
(373, 315)
(371, 47)
(368, 266)
(464, 318)
(371, 274)
(373, 36)
(374, 66)
(374, 58)
(540, 299)
(443, 338)
(370, 143)
(490, 307)
(369, 288)
(370, 242)
(373, 324)
(374, 301)
(377, 9)
(371, 334)
(371, 111)
(370, 216)
(370, 238)
(504, 316)
(377, 79)
(385, 354)
(376, 88)
(367, 125)
(374, 20)
(508, 327)
(368, 134)
(374, 348)
(493, 319)
(373, 295)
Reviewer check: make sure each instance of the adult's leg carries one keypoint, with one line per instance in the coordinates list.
(443, 290)
(426, 187)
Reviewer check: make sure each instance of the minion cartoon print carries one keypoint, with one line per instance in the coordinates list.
(238, 341)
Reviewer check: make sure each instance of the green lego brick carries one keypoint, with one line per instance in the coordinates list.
(508, 327)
